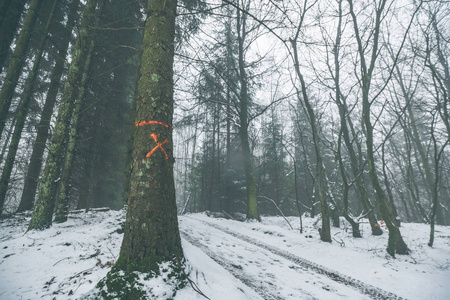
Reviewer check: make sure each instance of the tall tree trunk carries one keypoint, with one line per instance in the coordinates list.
(151, 227)
(10, 12)
(17, 61)
(212, 169)
(35, 165)
(387, 185)
(64, 190)
(218, 170)
(346, 187)
(277, 170)
(252, 203)
(345, 133)
(297, 200)
(357, 171)
(395, 240)
(45, 202)
(22, 111)
(437, 178)
(229, 60)
(321, 181)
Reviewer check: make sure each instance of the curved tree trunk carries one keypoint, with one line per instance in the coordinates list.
(395, 240)
(321, 180)
(345, 133)
(354, 223)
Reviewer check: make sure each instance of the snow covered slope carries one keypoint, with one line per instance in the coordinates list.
(228, 260)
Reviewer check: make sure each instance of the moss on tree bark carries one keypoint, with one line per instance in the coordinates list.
(17, 61)
(35, 165)
(22, 112)
(45, 202)
(151, 233)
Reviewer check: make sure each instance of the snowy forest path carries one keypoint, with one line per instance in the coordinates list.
(231, 250)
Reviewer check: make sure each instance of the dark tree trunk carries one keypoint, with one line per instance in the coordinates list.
(64, 190)
(395, 240)
(321, 181)
(35, 165)
(356, 167)
(45, 201)
(17, 61)
(22, 111)
(229, 60)
(10, 12)
(151, 227)
(252, 203)
(354, 223)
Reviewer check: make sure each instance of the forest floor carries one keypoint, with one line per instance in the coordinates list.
(228, 259)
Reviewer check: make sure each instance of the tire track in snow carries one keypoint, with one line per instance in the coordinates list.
(364, 288)
(228, 265)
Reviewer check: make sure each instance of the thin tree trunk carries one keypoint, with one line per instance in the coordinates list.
(437, 160)
(17, 61)
(325, 233)
(229, 59)
(22, 111)
(297, 201)
(218, 172)
(387, 185)
(64, 191)
(194, 147)
(346, 187)
(395, 240)
(212, 170)
(45, 202)
(35, 165)
(344, 117)
(252, 204)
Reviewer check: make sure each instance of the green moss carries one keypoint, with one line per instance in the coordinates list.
(155, 77)
(127, 284)
(119, 285)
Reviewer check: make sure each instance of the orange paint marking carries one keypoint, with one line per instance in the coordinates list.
(143, 123)
(158, 145)
(155, 137)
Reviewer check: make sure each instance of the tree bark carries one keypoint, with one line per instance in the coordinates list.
(22, 112)
(151, 227)
(252, 203)
(354, 223)
(17, 61)
(345, 133)
(45, 202)
(64, 190)
(35, 165)
(395, 240)
(437, 159)
(321, 184)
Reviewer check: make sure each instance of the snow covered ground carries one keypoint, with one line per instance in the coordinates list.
(228, 259)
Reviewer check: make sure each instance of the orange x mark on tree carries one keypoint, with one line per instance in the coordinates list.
(158, 145)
